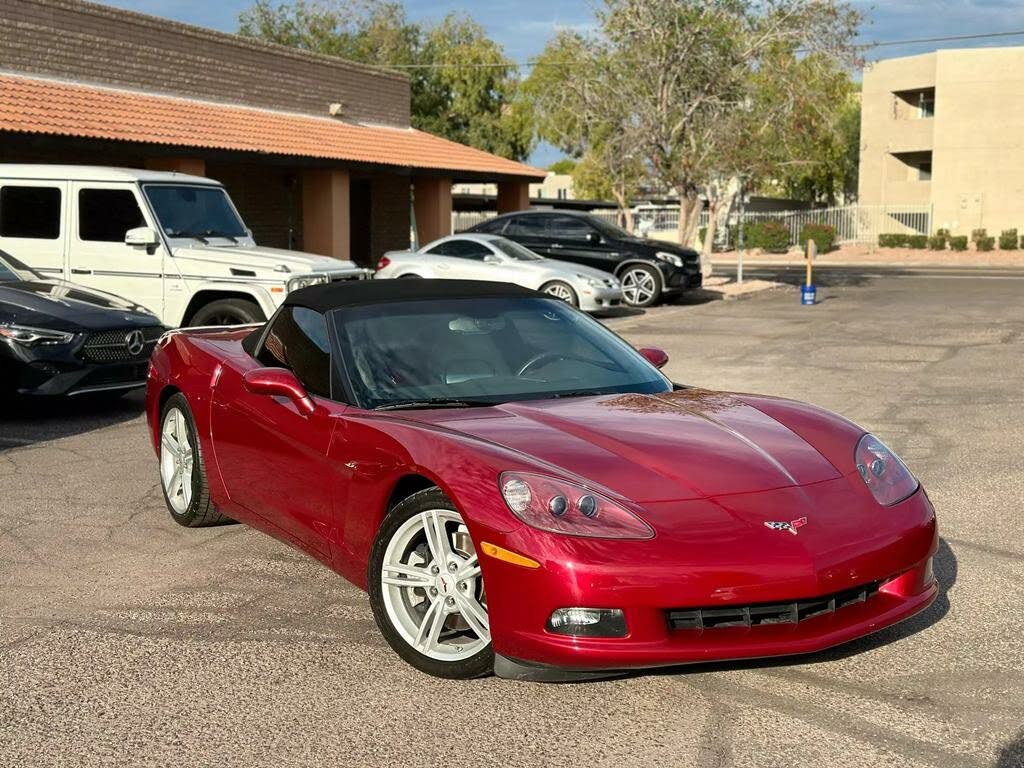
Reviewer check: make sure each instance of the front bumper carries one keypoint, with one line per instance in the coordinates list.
(649, 583)
(595, 299)
(686, 278)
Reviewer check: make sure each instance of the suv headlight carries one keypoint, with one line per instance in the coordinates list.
(27, 336)
(671, 258)
(304, 281)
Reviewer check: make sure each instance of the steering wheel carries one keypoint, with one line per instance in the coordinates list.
(551, 357)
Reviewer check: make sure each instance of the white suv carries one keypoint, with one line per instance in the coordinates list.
(167, 241)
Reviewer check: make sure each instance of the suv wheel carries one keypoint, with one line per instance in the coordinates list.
(641, 285)
(228, 312)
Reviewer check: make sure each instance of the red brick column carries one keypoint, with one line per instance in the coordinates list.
(433, 207)
(325, 213)
(513, 196)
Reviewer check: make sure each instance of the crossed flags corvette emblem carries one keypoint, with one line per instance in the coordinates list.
(781, 525)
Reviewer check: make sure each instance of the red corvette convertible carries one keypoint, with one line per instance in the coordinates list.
(520, 491)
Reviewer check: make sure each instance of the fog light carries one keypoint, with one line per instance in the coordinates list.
(588, 622)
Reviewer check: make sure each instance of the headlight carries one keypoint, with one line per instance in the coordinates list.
(561, 507)
(593, 282)
(31, 337)
(305, 281)
(671, 258)
(883, 473)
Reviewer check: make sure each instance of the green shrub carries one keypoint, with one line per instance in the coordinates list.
(978, 234)
(985, 243)
(771, 236)
(917, 241)
(892, 241)
(1008, 240)
(943, 233)
(937, 243)
(823, 235)
(958, 242)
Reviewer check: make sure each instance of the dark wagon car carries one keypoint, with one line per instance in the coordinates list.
(647, 269)
(58, 338)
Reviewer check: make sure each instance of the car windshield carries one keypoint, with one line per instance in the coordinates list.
(607, 229)
(13, 271)
(515, 250)
(194, 211)
(484, 351)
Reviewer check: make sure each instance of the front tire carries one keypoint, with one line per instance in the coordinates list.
(641, 285)
(561, 290)
(426, 590)
(228, 312)
(182, 474)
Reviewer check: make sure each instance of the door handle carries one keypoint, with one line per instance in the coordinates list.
(556, 246)
(81, 271)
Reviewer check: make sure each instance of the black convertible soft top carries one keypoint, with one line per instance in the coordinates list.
(353, 293)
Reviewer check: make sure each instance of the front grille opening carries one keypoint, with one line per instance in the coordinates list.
(768, 613)
(112, 346)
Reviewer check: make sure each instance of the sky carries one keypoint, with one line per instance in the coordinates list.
(522, 27)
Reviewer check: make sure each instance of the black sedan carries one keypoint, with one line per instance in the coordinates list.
(647, 269)
(58, 338)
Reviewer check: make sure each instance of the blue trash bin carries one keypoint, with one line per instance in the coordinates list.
(808, 295)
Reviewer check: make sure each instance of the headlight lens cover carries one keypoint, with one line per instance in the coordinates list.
(28, 336)
(561, 507)
(671, 258)
(883, 473)
(593, 282)
(304, 281)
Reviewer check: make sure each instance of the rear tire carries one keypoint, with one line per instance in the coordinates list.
(182, 472)
(228, 312)
(433, 583)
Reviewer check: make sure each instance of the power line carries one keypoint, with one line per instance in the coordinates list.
(865, 46)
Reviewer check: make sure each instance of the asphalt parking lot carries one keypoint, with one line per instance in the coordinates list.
(127, 640)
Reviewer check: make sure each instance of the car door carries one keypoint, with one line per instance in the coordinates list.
(33, 223)
(272, 457)
(101, 215)
(531, 230)
(574, 239)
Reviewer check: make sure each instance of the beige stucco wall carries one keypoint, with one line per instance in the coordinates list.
(976, 137)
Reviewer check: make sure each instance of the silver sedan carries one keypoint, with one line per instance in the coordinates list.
(490, 257)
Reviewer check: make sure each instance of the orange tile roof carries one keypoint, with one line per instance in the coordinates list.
(30, 105)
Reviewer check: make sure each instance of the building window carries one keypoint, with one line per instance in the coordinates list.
(30, 212)
(924, 171)
(926, 103)
(915, 104)
(916, 165)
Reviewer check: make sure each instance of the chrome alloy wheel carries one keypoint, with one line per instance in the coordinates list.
(176, 460)
(638, 286)
(560, 291)
(432, 588)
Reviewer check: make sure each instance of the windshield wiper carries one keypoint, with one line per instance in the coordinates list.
(581, 393)
(202, 236)
(433, 402)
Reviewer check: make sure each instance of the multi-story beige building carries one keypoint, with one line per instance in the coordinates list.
(946, 130)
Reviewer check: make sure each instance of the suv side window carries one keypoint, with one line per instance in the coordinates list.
(105, 215)
(30, 212)
(528, 226)
(298, 341)
(569, 228)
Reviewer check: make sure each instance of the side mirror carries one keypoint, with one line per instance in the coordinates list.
(492, 259)
(279, 382)
(141, 237)
(656, 357)
(593, 238)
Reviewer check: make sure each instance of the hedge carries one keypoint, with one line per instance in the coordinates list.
(823, 235)
(772, 236)
(985, 243)
(1008, 240)
(978, 234)
(917, 241)
(958, 242)
(937, 243)
(892, 241)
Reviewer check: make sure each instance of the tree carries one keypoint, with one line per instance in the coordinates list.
(563, 166)
(697, 87)
(462, 85)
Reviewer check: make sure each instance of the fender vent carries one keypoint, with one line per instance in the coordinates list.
(760, 614)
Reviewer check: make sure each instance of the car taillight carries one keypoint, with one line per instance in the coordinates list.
(384, 262)
(883, 473)
(561, 507)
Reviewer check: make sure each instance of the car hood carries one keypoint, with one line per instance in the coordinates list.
(256, 257)
(688, 444)
(68, 306)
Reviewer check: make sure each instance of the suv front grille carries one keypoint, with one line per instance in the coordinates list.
(112, 346)
(761, 614)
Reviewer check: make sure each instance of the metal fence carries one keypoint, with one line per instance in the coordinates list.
(852, 223)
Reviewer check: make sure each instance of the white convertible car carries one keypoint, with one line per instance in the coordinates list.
(489, 257)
